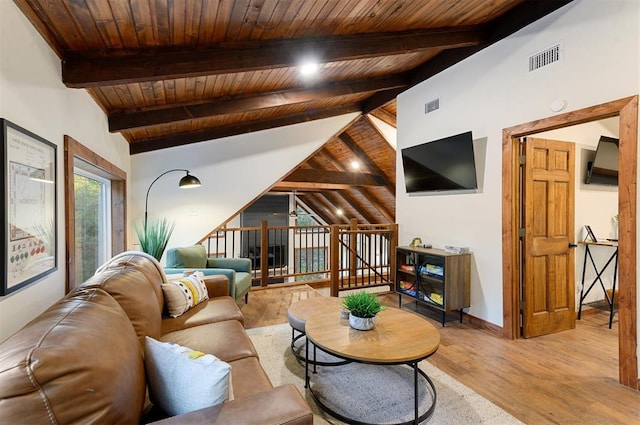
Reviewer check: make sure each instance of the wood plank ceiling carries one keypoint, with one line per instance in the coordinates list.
(169, 73)
(326, 181)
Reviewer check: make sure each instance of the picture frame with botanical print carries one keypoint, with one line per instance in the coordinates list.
(29, 214)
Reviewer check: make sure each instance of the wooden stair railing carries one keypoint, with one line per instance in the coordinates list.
(351, 253)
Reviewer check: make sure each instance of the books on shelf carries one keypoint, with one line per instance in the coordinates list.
(434, 298)
(407, 287)
(407, 268)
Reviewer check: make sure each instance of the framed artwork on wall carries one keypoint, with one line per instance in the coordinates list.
(29, 214)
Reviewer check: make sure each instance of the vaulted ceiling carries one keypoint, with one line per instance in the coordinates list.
(174, 72)
(171, 73)
(327, 182)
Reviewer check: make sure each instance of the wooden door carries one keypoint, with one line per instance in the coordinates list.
(548, 295)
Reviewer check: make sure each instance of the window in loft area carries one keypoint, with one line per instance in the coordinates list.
(92, 223)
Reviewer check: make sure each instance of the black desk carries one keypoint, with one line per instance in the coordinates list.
(612, 259)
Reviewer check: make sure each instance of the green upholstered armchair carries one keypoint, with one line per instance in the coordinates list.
(238, 270)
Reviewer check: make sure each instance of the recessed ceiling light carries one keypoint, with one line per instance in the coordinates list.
(309, 68)
(339, 211)
(355, 165)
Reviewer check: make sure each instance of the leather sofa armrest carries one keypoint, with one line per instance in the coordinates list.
(217, 285)
(237, 264)
(280, 405)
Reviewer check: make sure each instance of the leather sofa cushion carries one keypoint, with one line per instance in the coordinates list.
(217, 285)
(226, 340)
(78, 362)
(211, 311)
(281, 405)
(248, 377)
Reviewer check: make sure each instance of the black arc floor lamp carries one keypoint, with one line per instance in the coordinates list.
(186, 182)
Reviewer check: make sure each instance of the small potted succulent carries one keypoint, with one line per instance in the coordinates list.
(363, 308)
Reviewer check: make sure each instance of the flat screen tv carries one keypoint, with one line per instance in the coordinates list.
(604, 168)
(441, 165)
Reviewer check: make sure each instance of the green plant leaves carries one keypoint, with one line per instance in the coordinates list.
(154, 239)
(363, 304)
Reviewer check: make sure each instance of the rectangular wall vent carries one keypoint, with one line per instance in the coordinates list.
(545, 57)
(432, 105)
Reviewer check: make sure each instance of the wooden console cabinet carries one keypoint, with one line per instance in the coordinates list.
(438, 279)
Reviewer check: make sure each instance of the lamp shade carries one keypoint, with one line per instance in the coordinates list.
(189, 181)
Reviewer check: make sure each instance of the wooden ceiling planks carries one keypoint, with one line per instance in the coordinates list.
(106, 26)
(173, 73)
(323, 208)
(364, 140)
(140, 55)
(350, 91)
(386, 113)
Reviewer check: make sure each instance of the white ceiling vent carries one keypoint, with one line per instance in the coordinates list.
(432, 105)
(545, 57)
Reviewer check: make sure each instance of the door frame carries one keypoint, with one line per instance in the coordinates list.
(627, 111)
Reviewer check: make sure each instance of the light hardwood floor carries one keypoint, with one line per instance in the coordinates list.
(565, 378)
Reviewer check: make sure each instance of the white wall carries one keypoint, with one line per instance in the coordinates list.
(233, 171)
(493, 90)
(33, 97)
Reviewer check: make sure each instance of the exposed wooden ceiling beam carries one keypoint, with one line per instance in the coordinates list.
(327, 158)
(136, 119)
(364, 157)
(306, 186)
(349, 211)
(346, 192)
(384, 116)
(322, 208)
(376, 204)
(513, 20)
(307, 175)
(358, 206)
(155, 65)
(364, 191)
(180, 139)
(316, 164)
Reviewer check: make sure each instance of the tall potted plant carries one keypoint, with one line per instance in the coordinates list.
(363, 308)
(154, 237)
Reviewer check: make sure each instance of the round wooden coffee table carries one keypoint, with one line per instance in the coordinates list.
(399, 337)
(297, 316)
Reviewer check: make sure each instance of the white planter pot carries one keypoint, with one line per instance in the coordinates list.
(362, 323)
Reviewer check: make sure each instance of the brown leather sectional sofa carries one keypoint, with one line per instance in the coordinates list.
(82, 360)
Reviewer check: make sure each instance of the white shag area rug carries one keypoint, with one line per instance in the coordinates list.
(370, 393)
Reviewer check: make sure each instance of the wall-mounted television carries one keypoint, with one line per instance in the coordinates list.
(441, 165)
(604, 167)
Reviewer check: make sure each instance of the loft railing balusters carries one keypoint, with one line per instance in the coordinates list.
(348, 256)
